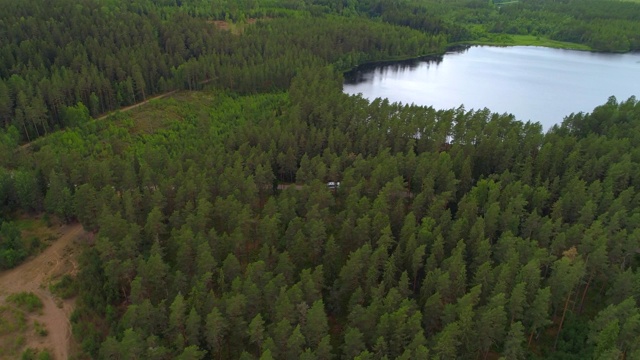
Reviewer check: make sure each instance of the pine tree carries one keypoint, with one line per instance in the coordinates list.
(256, 332)
(215, 332)
(191, 353)
(295, 344)
(316, 326)
(353, 343)
(538, 315)
(193, 327)
(514, 342)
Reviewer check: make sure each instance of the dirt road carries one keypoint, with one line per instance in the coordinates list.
(34, 276)
(127, 108)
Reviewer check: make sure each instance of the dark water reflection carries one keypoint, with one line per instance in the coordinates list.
(533, 83)
(366, 73)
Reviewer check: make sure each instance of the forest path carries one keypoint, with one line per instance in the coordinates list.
(34, 276)
(131, 107)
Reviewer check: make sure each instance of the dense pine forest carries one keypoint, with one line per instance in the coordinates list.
(454, 234)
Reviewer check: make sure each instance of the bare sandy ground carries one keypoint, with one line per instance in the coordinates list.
(34, 276)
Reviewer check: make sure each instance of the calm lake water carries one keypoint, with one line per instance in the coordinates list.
(532, 83)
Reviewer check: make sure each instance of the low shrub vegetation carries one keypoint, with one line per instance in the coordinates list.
(27, 301)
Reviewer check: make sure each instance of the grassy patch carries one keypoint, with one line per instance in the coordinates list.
(36, 232)
(35, 354)
(15, 327)
(40, 329)
(26, 300)
(35, 225)
(23, 236)
(528, 40)
(12, 325)
(12, 320)
(65, 288)
(539, 41)
(161, 113)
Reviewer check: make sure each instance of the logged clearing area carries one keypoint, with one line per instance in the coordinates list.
(160, 114)
(35, 276)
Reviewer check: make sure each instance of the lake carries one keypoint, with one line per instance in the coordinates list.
(533, 83)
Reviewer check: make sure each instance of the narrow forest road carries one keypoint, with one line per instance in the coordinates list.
(131, 107)
(34, 276)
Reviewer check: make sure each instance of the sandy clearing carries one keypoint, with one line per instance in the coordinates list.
(34, 276)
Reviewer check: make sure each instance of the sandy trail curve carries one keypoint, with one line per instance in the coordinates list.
(34, 276)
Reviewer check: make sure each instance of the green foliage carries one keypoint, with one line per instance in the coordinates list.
(572, 343)
(12, 250)
(13, 330)
(28, 301)
(65, 288)
(243, 265)
(527, 40)
(12, 320)
(73, 116)
(36, 354)
(40, 329)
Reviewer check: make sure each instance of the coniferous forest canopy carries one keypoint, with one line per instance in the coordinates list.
(455, 234)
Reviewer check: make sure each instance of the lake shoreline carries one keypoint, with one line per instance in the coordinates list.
(529, 82)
